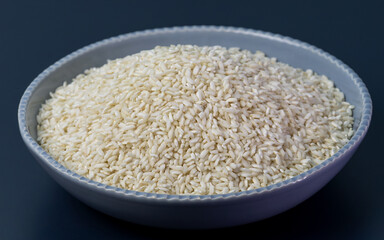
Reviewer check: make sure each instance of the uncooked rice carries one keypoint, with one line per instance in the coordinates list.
(185, 119)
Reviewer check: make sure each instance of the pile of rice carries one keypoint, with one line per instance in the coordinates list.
(194, 120)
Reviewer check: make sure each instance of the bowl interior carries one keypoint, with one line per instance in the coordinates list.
(284, 49)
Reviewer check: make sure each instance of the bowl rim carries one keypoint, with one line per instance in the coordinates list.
(97, 186)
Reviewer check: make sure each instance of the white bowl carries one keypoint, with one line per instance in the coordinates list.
(196, 211)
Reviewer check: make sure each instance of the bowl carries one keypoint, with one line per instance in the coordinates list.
(196, 211)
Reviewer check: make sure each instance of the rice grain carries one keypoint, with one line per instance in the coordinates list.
(186, 119)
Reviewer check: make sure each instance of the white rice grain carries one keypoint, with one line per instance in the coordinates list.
(194, 120)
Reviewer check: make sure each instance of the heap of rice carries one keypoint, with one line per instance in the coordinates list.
(194, 120)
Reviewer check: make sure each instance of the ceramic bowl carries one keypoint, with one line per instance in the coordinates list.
(196, 211)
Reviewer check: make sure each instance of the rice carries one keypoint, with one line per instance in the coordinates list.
(194, 120)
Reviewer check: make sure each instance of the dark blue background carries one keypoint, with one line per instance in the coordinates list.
(34, 34)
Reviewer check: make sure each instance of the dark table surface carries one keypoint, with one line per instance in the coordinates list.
(34, 34)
